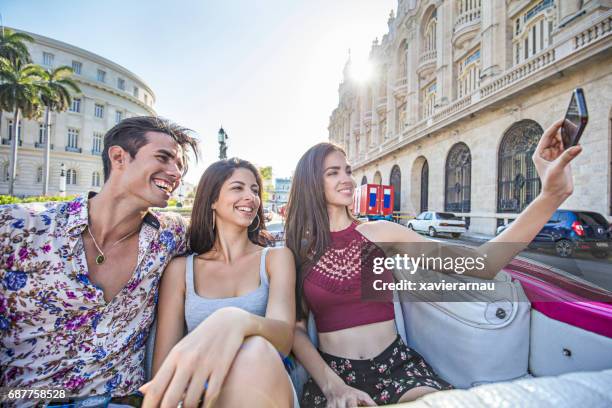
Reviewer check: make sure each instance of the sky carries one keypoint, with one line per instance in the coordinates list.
(267, 71)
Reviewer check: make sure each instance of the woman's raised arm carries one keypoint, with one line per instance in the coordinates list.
(552, 163)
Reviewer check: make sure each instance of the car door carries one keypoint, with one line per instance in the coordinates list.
(416, 223)
(548, 232)
(427, 221)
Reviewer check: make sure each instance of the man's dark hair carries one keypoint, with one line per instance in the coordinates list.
(130, 134)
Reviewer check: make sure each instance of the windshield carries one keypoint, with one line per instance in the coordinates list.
(447, 216)
(592, 218)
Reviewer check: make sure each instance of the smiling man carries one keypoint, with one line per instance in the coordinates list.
(79, 280)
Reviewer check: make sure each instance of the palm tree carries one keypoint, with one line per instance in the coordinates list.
(19, 92)
(55, 88)
(12, 45)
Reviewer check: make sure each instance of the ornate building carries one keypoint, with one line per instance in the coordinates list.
(463, 90)
(110, 93)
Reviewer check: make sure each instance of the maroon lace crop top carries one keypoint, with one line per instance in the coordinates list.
(333, 287)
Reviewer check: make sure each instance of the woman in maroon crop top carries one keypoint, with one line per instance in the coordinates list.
(361, 359)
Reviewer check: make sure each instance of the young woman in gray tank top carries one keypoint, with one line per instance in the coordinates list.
(234, 289)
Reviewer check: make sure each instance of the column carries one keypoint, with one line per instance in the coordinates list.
(412, 85)
(496, 49)
(444, 52)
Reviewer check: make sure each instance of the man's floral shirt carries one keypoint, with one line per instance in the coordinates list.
(56, 329)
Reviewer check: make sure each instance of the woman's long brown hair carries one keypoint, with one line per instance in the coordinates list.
(307, 231)
(201, 232)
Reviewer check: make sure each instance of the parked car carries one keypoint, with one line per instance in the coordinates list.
(433, 223)
(569, 231)
(277, 231)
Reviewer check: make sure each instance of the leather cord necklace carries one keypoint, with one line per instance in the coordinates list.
(101, 257)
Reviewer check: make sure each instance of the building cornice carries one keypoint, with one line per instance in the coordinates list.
(116, 92)
(88, 55)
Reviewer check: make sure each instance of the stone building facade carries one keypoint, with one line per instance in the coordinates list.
(109, 93)
(461, 92)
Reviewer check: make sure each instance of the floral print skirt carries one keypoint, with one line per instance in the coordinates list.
(385, 377)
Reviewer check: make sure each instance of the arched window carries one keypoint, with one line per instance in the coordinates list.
(458, 179)
(428, 99)
(517, 180)
(396, 181)
(468, 78)
(424, 186)
(377, 178)
(364, 180)
(71, 177)
(95, 179)
(429, 35)
(39, 174)
(401, 60)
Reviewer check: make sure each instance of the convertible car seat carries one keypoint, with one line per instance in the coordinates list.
(583, 389)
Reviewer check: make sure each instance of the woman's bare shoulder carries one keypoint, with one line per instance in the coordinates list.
(176, 267)
(281, 255)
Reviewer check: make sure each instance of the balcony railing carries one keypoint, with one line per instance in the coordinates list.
(593, 33)
(427, 60)
(527, 68)
(427, 56)
(467, 18)
(74, 149)
(96, 152)
(401, 82)
(453, 108)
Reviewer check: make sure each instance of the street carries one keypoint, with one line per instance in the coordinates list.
(582, 265)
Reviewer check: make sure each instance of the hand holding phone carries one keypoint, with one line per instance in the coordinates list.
(576, 119)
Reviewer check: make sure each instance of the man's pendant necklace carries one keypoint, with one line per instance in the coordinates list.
(101, 257)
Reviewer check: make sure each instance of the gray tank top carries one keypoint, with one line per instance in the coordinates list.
(198, 308)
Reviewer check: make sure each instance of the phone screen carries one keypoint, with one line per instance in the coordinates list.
(571, 125)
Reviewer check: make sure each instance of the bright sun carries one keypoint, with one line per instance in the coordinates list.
(361, 70)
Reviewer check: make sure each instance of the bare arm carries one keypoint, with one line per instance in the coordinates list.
(278, 324)
(553, 166)
(310, 358)
(333, 387)
(170, 311)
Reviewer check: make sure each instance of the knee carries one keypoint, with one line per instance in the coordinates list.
(258, 355)
(257, 377)
(257, 349)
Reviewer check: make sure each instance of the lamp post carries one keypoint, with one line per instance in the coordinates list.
(62, 183)
(47, 155)
(222, 137)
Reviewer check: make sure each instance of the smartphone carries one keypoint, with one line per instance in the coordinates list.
(576, 119)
